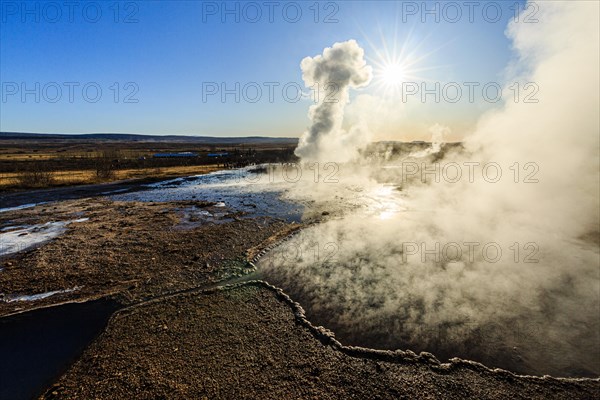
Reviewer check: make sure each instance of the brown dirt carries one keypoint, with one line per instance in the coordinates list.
(251, 342)
(133, 250)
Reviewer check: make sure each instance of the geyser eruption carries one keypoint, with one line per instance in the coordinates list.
(331, 75)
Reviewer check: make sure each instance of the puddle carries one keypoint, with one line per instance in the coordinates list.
(193, 217)
(37, 347)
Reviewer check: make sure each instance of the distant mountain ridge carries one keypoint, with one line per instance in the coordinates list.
(145, 138)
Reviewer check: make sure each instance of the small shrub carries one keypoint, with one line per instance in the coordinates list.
(106, 165)
(35, 176)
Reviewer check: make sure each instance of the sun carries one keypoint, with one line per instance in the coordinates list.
(399, 62)
(393, 74)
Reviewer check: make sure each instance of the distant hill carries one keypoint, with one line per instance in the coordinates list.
(128, 137)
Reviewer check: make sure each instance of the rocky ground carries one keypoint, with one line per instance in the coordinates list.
(133, 251)
(251, 341)
(178, 335)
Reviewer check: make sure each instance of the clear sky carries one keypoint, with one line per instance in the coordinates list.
(156, 62)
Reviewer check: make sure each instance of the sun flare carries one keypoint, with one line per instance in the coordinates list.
(396, 62)
(393, 74)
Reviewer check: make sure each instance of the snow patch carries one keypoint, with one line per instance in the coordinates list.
(22, 238)
(22, 207)
(34, 297)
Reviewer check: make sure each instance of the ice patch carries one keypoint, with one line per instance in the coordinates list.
(115, 191)
(10, 228)
(34, 297)
(22, 238)
(22, 207)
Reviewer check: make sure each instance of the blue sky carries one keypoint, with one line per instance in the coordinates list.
(167, 51)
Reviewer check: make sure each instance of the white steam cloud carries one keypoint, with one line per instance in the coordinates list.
(438, 133)
(331, 75)
(531, 317)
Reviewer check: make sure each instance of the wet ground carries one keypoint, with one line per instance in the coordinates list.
(29, 198)
(240, 190)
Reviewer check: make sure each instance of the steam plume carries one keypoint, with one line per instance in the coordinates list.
(438, 132)
(333, 73)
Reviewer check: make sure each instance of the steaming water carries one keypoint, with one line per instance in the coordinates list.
(345, 273)
(359, 288)
(350, 274)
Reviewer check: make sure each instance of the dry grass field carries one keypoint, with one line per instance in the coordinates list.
(12, 180)
(34, 163)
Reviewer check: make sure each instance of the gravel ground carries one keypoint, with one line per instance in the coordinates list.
(250, 341)
(132, 251)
